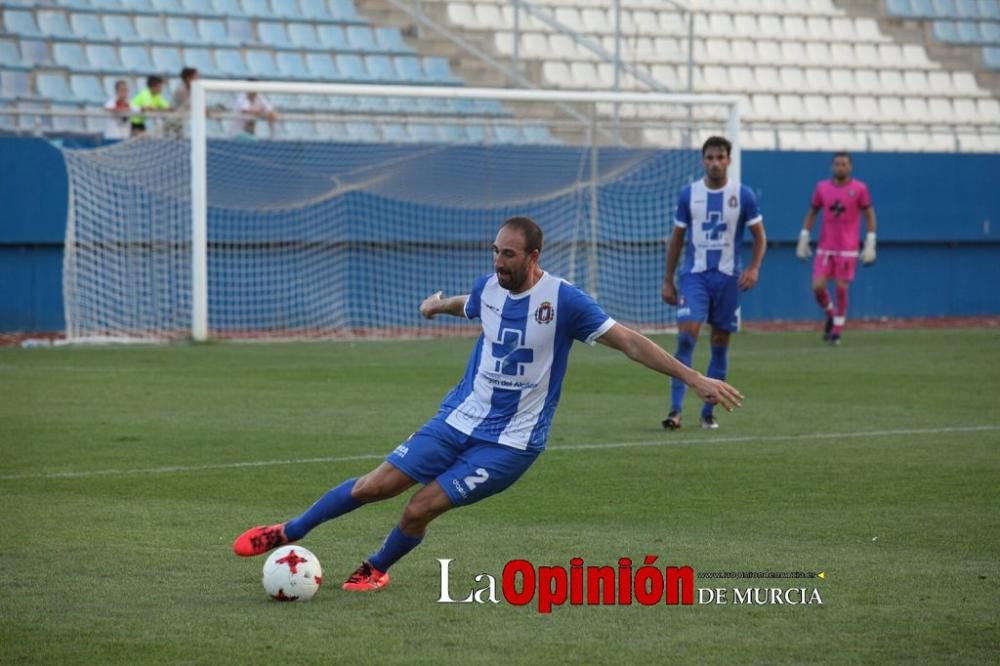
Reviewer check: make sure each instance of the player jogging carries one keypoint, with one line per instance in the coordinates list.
(711, 215)
(842, 200)
(494, 423)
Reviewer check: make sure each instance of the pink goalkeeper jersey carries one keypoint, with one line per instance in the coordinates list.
(841, 206)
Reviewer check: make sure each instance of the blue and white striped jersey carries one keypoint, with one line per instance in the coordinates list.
(715, 220)
(512, 382)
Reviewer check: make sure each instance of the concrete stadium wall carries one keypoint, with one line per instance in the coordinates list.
(939, 248)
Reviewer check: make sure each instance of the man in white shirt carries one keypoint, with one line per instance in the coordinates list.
(252, 107)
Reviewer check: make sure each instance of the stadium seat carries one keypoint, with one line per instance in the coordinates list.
(136, 59)
(991, 57)
(303, 35)
(54, 24)
(87, 88)
(344, 11)
(14, 84)
(20, 23)
(391, 40)
(360, 38)
(359, 131)
(288, 9)
(68, 124)
(150, 28)
(332, 37)
(33, 122)
(313, 9)
(87, 24)
(104, 57)
(181, 30)
(321, 66)
(10, 55)
(231, 8)
(168, 6)
(380, 69)
(409, 69)
(202, 60)
(261, 63)
(257, 8)
(351, 68)
(119, 27)
(291, 65)
(273, 33)
(216, 32)
(437, 70)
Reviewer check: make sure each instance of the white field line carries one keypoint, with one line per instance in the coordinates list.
(666, 440)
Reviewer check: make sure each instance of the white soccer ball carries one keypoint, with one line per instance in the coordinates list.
(292, 573)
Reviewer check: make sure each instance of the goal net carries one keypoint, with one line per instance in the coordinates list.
(331, 211)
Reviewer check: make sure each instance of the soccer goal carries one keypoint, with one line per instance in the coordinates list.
(302, 210)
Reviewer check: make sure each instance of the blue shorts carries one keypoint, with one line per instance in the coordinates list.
(710, 296)
(467, 468)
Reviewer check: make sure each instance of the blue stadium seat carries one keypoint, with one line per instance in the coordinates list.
(119, 26)
(87, 88)
(990, 32)
(394, 133)
(991, 57)
(380, 69)
(390, 39)
(507, 134)
(181, 29)
(228, 7)
(299, 129)
(291, 65)
(989, 9)
(21, 23)
(198, 8)
(261, 63)
(360, 38)
(53, 87)
(303, 34)
(150, 28)
(168, 6)
(136, 59)
(14, 84)
(33, 122)
(54, 23)
(475, 133)
(344, 11)
(36, 52)
(424, 132)
(921, 8)
(257, 8)
(944, 9)
(332, 131)
(969, 32)
(437, 70)
(969, 9)
(87, 25)
(288, 9)
(104, 57)
(536, 134)
(316, 9)
(351, 68)
(273, 33)
(203, 61)
(900, 8)
(215, 31)
(452, 133)
(167, 60)
(410, 69)
(231, 62)
(241, 30)
(946, 31)
(10, 55)
(332, 37)
(69, 55)
(107, 4)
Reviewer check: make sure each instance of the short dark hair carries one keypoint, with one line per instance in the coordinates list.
(532, 233)
(188, 72)
(842, 153)
(717, 142)
(153, 80)
(121, 82)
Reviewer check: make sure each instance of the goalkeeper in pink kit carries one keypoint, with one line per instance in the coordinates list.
(841, 200)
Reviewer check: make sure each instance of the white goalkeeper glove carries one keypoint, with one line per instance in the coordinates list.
(803, 251)
(868, 252)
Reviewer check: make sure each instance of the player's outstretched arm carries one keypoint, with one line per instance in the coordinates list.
(435, 305)
(642, 350)
(673, 255)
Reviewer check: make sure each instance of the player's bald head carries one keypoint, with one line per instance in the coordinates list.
(529, 230)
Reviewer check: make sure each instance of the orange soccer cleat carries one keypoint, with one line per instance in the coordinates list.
(366, 578)
(259, 540)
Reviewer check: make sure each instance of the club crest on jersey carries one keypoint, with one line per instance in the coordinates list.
(850, 193)
(545, 313)
(733, 201)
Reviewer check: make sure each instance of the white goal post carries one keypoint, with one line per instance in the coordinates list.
(332, 220)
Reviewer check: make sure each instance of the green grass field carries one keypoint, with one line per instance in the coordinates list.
(127, 472)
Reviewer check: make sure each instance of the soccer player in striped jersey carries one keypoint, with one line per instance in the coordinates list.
(711, 216)
(493, 425)
(842, 200)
